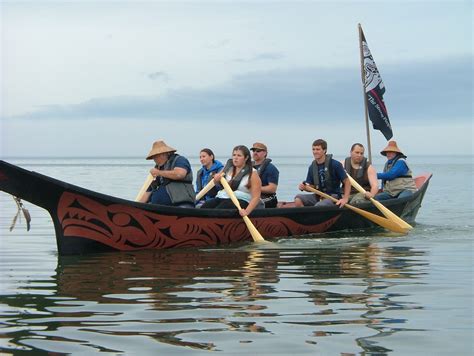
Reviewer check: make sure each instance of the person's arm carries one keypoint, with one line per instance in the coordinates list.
(374, 185)
(176, 173)
(255, 191)
(217, 177)
(271, 188)
(342, 175)
(399, 169)
(347, 192)
(309, 180)
(272, 176)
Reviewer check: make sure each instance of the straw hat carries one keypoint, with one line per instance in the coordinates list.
(391, 147)
(259, 146)
(159, 147)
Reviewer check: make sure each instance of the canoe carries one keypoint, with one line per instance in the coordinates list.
(89, 222)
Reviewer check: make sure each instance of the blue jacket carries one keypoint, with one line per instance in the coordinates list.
(204, 175)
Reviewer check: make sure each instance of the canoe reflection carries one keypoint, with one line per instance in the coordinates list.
(167, 276)
(196, 298)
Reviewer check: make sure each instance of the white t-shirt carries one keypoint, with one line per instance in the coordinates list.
(242, 192)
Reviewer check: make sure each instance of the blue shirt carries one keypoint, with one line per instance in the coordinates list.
(399, 169)
(161, 196)
(270, 174)
(337, 173)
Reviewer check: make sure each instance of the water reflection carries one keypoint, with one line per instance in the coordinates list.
(342, 299)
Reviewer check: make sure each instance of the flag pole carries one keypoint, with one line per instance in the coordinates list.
(369, 147)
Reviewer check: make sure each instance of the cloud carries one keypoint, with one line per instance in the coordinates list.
(439, 90)
(268, 56)
(158, 75)
(219, 44)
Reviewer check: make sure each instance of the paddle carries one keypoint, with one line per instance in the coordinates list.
(385, 211)
(379, 220)
(145, 186)
(204, 190)
(211, 184)
(252, 229)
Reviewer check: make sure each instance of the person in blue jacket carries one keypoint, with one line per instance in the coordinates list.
(397, 179)
(210, 166)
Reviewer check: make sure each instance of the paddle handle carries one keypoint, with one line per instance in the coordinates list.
(211, 184)
(144, 187)
(257, 237)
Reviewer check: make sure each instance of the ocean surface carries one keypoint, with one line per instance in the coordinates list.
(348, 293)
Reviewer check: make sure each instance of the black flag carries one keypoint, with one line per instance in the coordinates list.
(374, 90)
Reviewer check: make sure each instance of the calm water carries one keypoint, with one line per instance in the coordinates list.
(344, 294)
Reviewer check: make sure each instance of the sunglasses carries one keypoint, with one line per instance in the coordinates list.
(257, 150)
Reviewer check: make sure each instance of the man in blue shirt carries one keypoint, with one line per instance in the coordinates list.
(173, 178)
(325, 174)
(268, 173)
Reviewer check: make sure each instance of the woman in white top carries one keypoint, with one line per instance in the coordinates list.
(244, 181)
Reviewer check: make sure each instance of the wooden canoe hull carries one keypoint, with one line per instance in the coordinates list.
(87, 222)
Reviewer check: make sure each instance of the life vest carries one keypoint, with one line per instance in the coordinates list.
(399, 184)
(215, 168)
(180, 191)
(261, 169)
(329, 180)
(360, 175)
(235, 181)
(268, 199)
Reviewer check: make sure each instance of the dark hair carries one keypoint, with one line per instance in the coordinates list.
(322, 143)
(209, 152)
(356, 144)
(248, 161)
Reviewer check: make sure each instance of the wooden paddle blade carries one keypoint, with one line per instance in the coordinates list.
(379, 220)
(385, 211)
(145, 186)
(204, 190)
(390, 214)
(257, 237)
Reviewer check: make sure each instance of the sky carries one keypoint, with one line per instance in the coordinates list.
(107, 78)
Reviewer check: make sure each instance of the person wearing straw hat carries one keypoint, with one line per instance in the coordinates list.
(173, 178)
(397, 178)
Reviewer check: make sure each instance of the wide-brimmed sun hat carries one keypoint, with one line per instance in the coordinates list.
(391, 147)
(259, 146)
(159, 147)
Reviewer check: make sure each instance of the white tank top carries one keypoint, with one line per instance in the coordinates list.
(242, 192)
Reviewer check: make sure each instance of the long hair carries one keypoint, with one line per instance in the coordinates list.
(248, 162)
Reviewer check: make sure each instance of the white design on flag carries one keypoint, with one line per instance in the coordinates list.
(372, 75)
